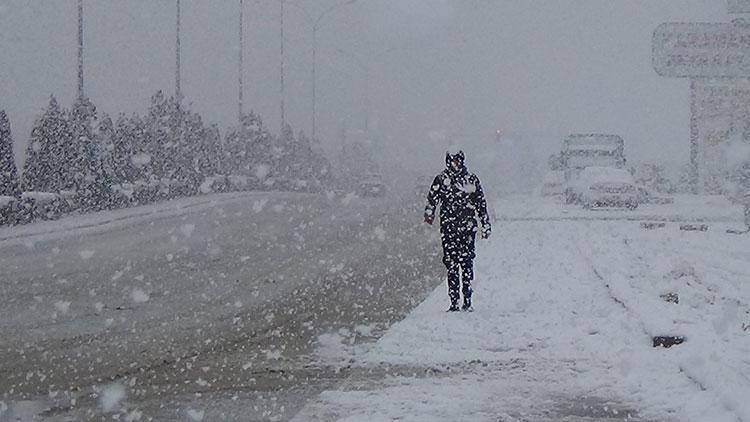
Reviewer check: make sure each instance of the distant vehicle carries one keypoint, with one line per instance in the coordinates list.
(371, 185)
(597, 187)
(553, 184)
(583, 150)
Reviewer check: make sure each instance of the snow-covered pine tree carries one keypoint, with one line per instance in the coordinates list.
(86, 173)
(232, 153)
(258, 148)
(105, 140)
(247, 150)
(44, 168)
(235, 160)
(191, 142)
(283, 157)
(8, 172)
(320, 168)
(123, 150)
(161, 135)
(209, 156)
(302, 158)
(80, 153)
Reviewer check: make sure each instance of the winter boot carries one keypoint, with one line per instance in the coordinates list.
(467, 305)
(453, 307)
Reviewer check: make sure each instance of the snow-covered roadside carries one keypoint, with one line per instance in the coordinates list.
(709, 275)
(78, 224)
(685, 208)
(565, 311)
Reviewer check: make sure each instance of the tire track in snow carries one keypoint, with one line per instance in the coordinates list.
(625, 249)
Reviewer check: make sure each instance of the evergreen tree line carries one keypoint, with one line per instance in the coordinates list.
(167, 152)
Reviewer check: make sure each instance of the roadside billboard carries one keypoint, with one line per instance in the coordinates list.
(738, 6)
(701, 50)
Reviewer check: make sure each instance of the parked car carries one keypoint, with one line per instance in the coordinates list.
(603, 187)
(371, 186)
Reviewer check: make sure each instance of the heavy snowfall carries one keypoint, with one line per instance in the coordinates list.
(254, 210)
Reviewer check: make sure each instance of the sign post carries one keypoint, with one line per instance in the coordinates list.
(703, 52)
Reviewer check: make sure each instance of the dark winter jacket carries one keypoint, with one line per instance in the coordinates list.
(461, 199)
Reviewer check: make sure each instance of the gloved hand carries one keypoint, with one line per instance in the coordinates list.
(428, 219)
(486, 230)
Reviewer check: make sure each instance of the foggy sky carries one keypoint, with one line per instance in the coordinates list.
(441, 71)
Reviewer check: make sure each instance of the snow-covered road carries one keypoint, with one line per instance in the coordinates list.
(269, 307)
(565, 315)
(156, 312)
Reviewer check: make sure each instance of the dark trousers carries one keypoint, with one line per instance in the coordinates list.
(458, 257)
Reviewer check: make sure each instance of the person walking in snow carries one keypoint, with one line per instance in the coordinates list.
(459, 195)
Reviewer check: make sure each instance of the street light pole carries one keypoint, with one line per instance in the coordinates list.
(178, 91)
(239, 76)
(80, 50)
(281, 69)
(314, 119)
(315, 24)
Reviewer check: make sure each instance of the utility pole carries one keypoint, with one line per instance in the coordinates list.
(314, 113)
(80, 50)
(239, 108)
(283, 118)
(178, 91)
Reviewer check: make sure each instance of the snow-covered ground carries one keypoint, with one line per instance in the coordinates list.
(82, 224)
(685, 208)
(566, 304)
(200, 308)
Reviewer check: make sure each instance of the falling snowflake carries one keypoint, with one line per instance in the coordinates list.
(139, 296)
(62, 306)
(196, 415)
(111, 397)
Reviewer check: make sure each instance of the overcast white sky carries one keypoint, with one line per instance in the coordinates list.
(455, 68)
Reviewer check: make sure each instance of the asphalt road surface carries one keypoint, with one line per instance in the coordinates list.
(216, 307)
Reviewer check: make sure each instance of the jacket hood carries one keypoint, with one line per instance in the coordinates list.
(457, 156)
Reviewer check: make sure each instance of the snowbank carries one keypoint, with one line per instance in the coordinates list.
(565, 314)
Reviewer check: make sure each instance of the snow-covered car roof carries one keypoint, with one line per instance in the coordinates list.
(592, 139)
